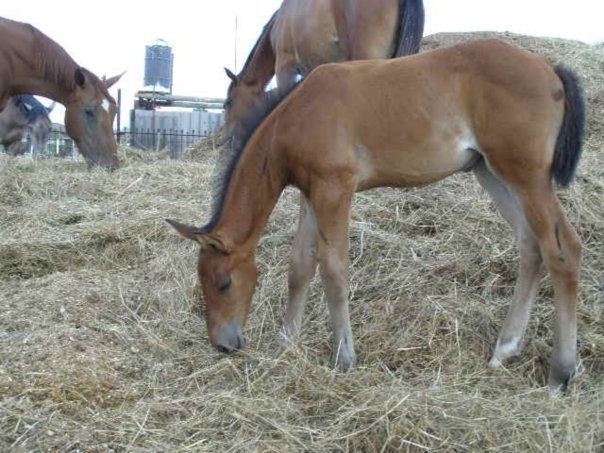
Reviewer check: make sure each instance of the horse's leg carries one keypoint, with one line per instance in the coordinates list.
(509, 342)
(561, 251)
(303, 260)
(331, 204)
(560, 248)
(286, 73)
(302, 267)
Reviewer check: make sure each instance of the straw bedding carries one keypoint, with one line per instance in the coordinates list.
(103, 344)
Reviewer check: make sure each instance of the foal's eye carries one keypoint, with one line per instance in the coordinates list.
(89, 111)
(224, 286)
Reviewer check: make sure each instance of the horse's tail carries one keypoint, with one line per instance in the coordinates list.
(570, 137)
(411, 13)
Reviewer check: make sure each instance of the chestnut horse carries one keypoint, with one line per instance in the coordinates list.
(32, 63)
(304, 34)
(484, 106)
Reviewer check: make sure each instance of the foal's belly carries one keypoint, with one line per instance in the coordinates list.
(415, 164)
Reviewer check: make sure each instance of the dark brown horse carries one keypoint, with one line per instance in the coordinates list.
(483, 106)
(32, 63)
(25, 116)
(304, 34)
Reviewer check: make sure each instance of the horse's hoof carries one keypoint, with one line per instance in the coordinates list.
(559, 378)
(345, 360)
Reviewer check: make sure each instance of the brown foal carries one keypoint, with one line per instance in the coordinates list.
(32, 63)
(502, 112)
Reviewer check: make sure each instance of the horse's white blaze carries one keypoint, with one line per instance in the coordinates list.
(105, 104)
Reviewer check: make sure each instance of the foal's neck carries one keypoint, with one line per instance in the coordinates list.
(253, 190)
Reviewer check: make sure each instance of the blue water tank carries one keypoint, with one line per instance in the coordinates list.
(159, 61)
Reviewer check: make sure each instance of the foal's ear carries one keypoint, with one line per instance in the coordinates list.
(113, 80)
(79, 77)
(205, 240)
(230, 75)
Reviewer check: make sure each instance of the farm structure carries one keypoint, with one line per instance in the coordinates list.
(173, 130)
(161, 120)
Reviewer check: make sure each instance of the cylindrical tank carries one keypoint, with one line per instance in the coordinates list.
(159, 61)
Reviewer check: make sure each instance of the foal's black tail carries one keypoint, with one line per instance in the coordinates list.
(411, 13)
(570, 138)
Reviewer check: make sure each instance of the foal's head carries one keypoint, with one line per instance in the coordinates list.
(227, 278)
(243, 100)
(89, 115)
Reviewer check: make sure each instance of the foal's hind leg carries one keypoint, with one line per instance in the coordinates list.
(510, 338)
(302, 267)
(561, 250)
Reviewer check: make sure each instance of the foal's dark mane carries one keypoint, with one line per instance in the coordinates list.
(232, 151)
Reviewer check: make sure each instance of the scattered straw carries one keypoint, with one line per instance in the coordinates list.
(103, 344)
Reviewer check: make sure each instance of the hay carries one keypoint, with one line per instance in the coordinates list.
(103, 344)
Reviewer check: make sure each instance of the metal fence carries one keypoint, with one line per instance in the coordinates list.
(59, 144)
(173, 141)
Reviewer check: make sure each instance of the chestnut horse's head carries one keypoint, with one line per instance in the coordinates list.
(89, 114)
(244, 98)
(228, 279)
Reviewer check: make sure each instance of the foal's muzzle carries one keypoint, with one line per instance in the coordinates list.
(229, 338)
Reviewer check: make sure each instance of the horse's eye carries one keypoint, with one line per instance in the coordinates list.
(89, 111)
(224, 286)
(227, 104)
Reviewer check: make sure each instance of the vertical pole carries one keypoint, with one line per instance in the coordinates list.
(153, 128)
(119, 115)
(133, 125)
(236, 27)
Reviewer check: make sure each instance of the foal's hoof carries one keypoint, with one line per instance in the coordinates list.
(559, 378)
(345, 360)
(504, 351)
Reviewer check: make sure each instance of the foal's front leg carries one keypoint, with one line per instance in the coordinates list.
(302, 267)
(332, 210)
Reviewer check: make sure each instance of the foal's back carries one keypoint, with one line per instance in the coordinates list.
(417, 119)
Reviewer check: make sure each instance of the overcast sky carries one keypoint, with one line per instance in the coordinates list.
(112, 38)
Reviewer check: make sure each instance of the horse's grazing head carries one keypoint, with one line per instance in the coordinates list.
(227, 278)
(243, 99)
(89, 114)
(40, 130)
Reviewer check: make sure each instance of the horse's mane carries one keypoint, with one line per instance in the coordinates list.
(232, 151)
(53, 62)
(57, 66)
(266, 29)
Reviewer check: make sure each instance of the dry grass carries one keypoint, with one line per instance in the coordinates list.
(103, 344)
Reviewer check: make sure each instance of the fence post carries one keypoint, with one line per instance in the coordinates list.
(119, 115)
